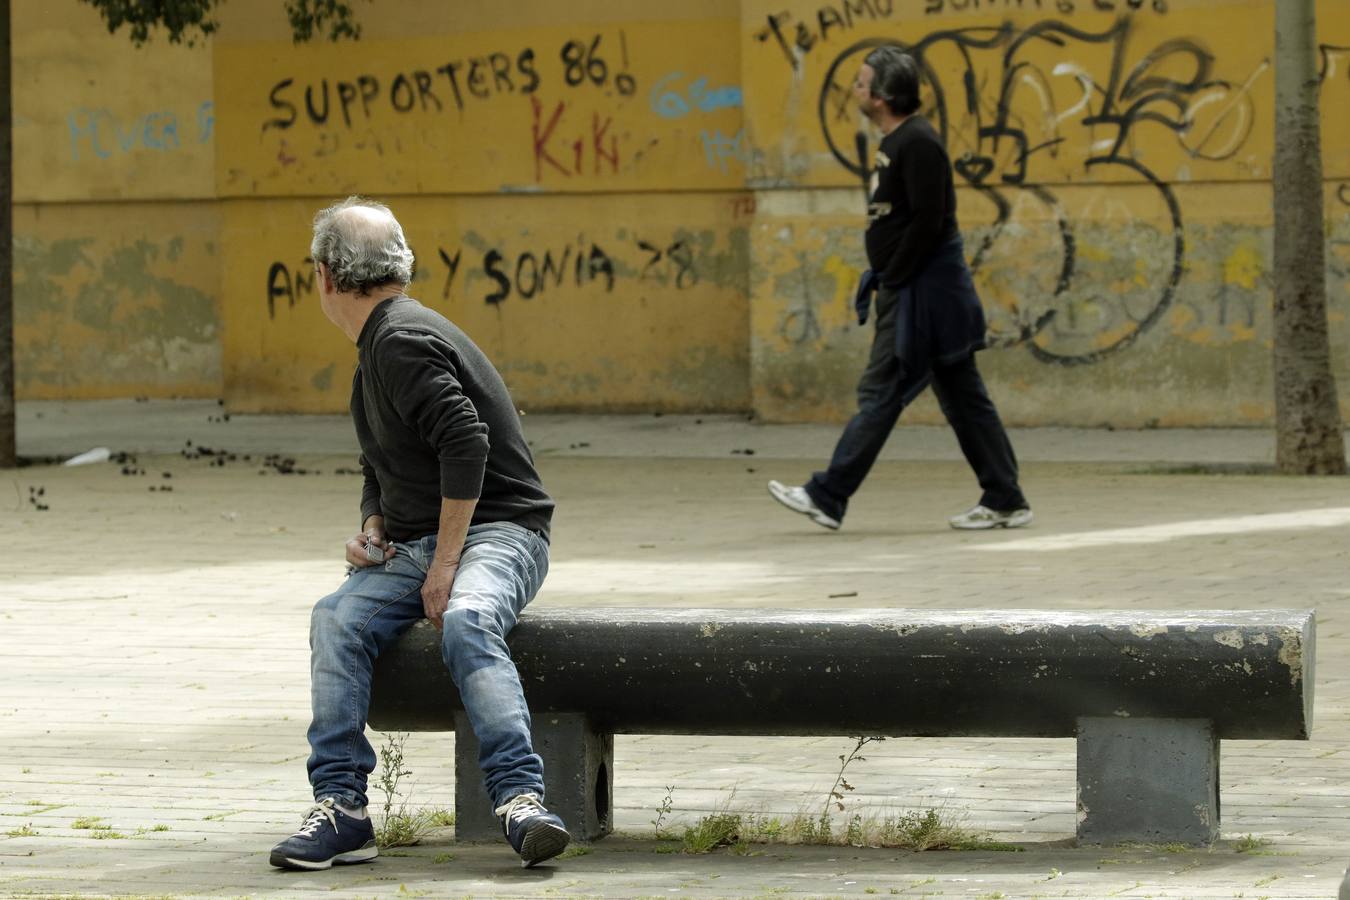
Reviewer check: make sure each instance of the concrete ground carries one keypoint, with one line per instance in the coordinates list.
(153, 683)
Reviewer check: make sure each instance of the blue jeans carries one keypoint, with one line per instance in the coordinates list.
(500, 571)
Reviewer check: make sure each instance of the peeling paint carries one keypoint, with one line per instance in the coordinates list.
(123, 311)
(323, 379)
(1243, 267)
(1291, 654)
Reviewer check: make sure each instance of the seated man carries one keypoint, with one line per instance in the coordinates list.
(454, 528)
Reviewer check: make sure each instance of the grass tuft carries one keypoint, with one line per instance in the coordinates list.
(932, 828)
(1251, 844)
(574, 851)
(105, 832)
(710, 832)
(402, 825)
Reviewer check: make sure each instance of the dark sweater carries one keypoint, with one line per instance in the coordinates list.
(434, 420)
(913, 206)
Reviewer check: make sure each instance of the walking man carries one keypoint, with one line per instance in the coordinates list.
(454, 528)
(929, 321)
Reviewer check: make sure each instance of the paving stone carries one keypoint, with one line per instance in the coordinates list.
(155, 671)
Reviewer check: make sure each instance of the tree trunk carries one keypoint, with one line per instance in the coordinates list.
(1308, 432)
(8, 452)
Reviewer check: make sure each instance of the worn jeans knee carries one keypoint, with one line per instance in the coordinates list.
(347, 630)
(501, 569)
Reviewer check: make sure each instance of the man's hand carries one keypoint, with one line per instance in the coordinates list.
(455, 518)
(363, 548)
(436, 591)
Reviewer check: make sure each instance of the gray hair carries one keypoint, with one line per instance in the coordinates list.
(362, 251)
(895, 78)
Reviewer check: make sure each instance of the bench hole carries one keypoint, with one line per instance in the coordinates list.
(602, 794)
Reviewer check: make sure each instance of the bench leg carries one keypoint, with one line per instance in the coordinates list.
(1147, 780)
(578, 778)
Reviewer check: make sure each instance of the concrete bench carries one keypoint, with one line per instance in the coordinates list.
(1148, 695)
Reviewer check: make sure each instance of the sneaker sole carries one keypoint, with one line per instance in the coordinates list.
(542, 842)
(814, 515)
(364, 854)
(996, 523)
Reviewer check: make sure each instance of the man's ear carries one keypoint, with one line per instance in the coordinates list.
(325, 277)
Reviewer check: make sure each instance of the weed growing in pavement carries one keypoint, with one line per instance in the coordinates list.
(105, 832)
(710, 832)
(1251, 844)
(402, 825)
(834, 798)
(97, 830)
(919, 830)
(721, 829)
(932, 828)
(574, 851)
(26, 830)
(663, 810)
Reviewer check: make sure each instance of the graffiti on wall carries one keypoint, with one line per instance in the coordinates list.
(576, 107)
(478, 271)
(451, 86)
(1018, 105)
(348, 112)
(99, 133)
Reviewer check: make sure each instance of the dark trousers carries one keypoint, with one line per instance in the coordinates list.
(883, 393)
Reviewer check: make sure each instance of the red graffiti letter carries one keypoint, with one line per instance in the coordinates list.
(541, 154)
(597, 136)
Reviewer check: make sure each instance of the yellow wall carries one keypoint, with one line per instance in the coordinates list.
(1113, 170)
(116, 278)
(116, 300)
(98, 119)
(580, 302)
(1086, 96)
(495, 111)
(1114, 197)
(573, 190)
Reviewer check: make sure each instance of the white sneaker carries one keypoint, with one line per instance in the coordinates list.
(979, 517)
(798, 500)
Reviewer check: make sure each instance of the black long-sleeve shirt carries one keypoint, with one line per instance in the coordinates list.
(434, 420)
(913, 206)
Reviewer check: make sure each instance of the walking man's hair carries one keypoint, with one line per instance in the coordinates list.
(362, 245)
(895, 79)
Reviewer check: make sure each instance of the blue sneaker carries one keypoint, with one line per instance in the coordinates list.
(328, 836)
(533, 832)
